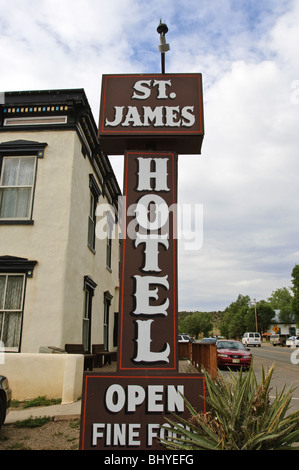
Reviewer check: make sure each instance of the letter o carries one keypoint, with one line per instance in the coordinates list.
(142, 210)
(115, 404)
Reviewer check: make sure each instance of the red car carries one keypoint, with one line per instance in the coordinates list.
(232, 353)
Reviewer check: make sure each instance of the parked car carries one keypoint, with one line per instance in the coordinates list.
(278, 339)
(184, 339)
(232, 353)
(209, 340)
(292, 342)
(251, 339)
(5, 398)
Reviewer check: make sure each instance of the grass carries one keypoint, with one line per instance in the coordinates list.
(75, 424)
(33, 422)
(38, 401)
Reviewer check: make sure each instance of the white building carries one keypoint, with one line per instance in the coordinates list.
(58, 281)
(282, 328)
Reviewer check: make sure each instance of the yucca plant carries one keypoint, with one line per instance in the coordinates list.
(240, 416)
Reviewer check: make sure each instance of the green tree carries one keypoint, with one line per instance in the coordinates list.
(224, 324)
(265, 315)
(295, 289)
(237, 324)
(233, 319)
(195, 323)
(249, 319)
(280, 298)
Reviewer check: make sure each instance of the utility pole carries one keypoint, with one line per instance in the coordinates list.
(255, 315)
(162, 30)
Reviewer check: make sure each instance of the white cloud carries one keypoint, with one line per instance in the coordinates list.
(247, 175)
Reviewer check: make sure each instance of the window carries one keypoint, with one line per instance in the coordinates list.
(13, 274)
(107, 302)
(11, 310)
(93, 200)
(18, 164)
(91, 222)
(109, 245)
(16, 187)
(86, 320)
(89, 287)
(110, 223)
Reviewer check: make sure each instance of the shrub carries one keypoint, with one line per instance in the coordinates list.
(240, 416)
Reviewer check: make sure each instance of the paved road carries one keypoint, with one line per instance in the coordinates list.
(286, 373)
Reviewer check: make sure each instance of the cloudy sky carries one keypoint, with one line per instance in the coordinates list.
(246, 181)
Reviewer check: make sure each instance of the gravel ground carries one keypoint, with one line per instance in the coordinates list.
(56, 434)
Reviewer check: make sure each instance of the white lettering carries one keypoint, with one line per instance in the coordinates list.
(120, 434)
(162, 88)
(187, 114)
(96, 434)
(143, 295)
(136, 396)
(156, 398)
(152, 432)
(172, 116)
(115, 398)
(175, 398)
(161, 116)
(134, 430)
(159, 174)
(151, 249)
(117, 435)
(153, 115)
(142, 87)
(155, 395)
(132, 117)
(157, 208)
(117, 118)
(143, 341)
(174, 459)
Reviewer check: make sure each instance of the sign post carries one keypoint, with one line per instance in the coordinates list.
(150, 119)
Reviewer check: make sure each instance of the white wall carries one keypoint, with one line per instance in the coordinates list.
(54, 300)
(51, 375)
(45, 240)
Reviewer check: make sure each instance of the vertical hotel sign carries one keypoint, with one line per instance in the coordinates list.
(149, 119)
(148, 297)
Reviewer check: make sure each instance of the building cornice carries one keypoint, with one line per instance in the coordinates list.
(58, 110)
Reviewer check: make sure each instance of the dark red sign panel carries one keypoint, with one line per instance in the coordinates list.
(122, 412)
(148, 295)
(152, 109)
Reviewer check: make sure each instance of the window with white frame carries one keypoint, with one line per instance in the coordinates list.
(18, 166)
(93, 200)
(11, 309)
(16, 187)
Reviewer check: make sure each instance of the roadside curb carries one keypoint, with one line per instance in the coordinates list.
(56, 412)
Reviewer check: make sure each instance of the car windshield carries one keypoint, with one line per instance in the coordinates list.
(229, 345)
